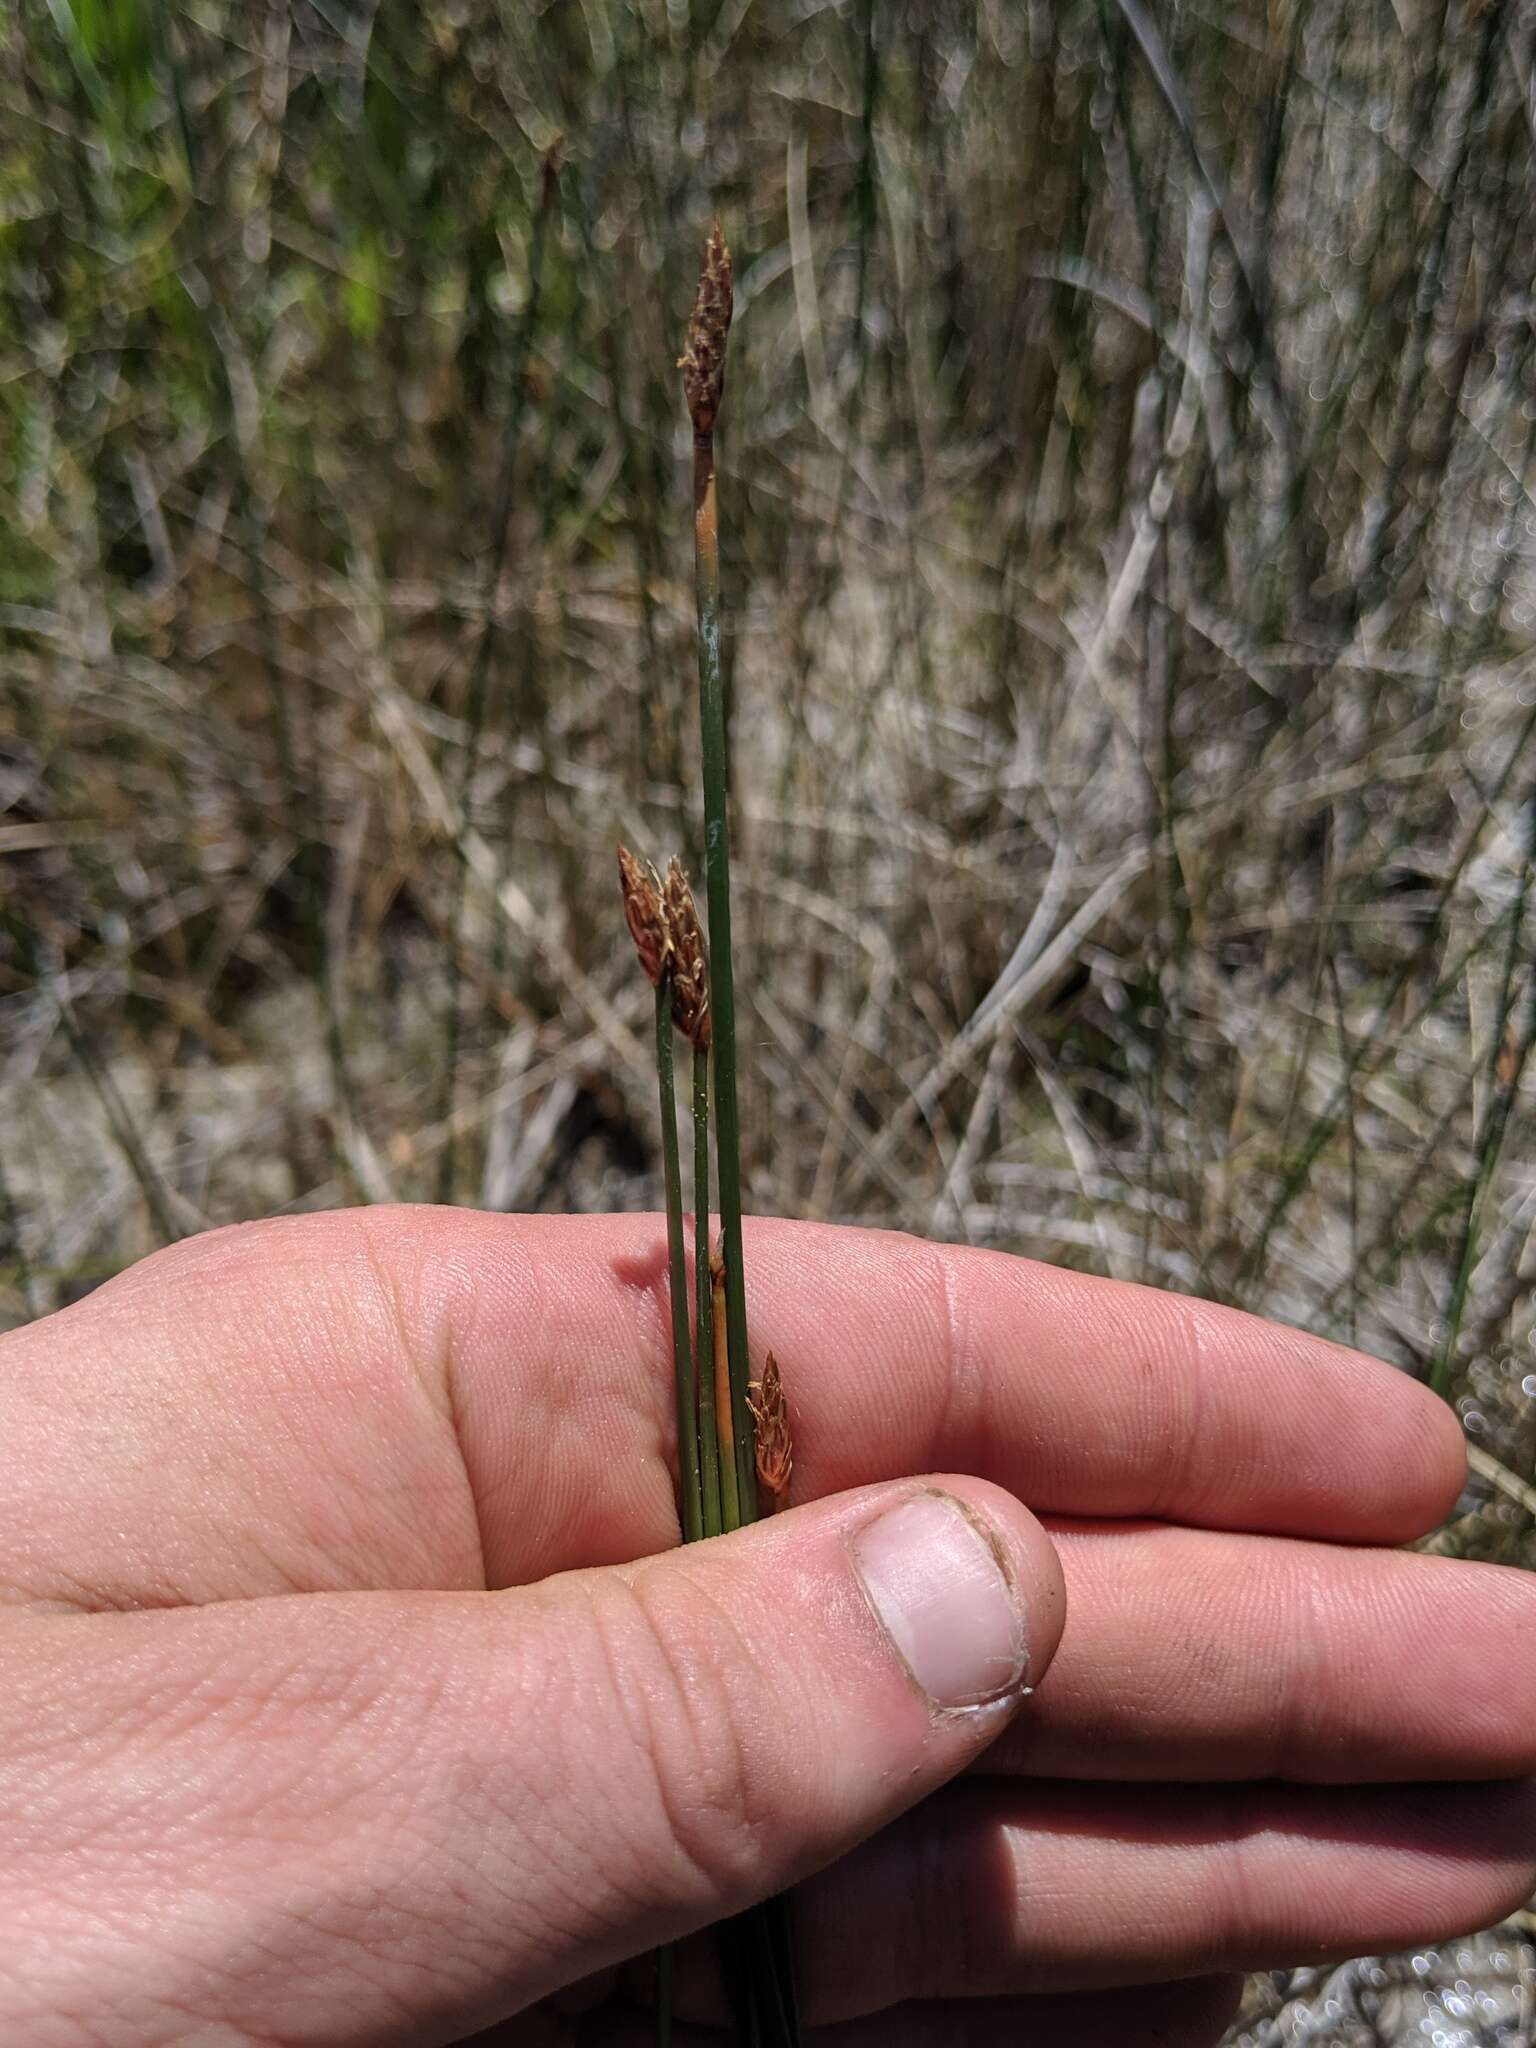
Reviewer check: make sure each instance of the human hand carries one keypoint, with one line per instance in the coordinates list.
(276, 1767)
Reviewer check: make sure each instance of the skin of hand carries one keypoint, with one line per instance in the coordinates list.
(352, 1689)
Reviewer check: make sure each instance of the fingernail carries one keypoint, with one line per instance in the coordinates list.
(939, 1590)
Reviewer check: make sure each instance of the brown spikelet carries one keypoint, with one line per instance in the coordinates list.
(703, 358)
(775, 1450)
(644, 915)
(690, 970)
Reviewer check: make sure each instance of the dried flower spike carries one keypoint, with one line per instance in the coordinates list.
(703, 359)
(690, 969)
(644, 915)
(775, 1450)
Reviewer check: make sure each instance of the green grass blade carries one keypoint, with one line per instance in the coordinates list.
(717, 876)
(704, 1320)
(677, 1278)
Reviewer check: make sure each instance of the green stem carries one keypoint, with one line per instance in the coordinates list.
(756, 1949)
(664, 1997)
(717, 874)
(725, 1428)
(677, 1278)
(704, 1320)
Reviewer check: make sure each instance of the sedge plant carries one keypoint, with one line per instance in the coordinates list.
(703, 368)
(645, 914)
(733, 1432)
(759, 1956)
(691, 1013)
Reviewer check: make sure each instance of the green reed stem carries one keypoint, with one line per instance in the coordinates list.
(756, 1949)
(717, 875)
(725, 1428)
(704, 1320)
(677, 1277)
(664, 1997)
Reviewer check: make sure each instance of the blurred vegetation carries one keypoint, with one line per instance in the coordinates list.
(1131, 560)
(1129, 544)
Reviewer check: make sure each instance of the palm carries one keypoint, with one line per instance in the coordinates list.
(428, 1400)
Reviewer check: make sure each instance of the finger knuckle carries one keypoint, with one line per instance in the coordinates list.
(683, 1682)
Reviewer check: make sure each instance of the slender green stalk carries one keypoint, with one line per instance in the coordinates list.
(770, 1933)
(717, 877)
(677, 1276)
(664, 1997)
(724, 1417)
(757, 1948)
(678, 982)
(704, 1319)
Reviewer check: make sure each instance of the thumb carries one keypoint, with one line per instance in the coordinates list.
(386, 1817)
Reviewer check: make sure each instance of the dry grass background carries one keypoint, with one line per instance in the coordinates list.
(1130, 550)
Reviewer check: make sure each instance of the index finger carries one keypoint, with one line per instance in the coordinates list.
(1092, 1396)
(1081, 1396)
(430, 1397)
